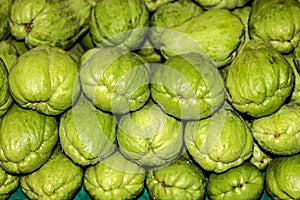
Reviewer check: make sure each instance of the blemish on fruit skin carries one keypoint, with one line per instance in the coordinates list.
(27, 28)
(276, 135)
(164, 184)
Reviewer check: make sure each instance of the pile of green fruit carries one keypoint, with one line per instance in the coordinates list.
(178, 99)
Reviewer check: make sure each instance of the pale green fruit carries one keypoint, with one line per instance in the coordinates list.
(8, 184)
(45, 79)
(260, 158)
(87, 135)
(58, 178)
(114, 178)
(181, 179)
(222, 4)
(5, 96)
(27, 139)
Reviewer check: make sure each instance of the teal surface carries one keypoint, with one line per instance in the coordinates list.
(82, 195)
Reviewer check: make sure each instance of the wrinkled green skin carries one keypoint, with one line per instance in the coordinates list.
(87, 134)
(114, 178)
(222, 4)
(8, 184)
(5, 97)
(4, 16)
(181, 179)
(244, 13)
(8, 54)
(187, 86)
(283, 178)
(260, 158)
(219, 142)
(149, 53)
(55, 23)
(259, 80)
(242, 182)
(58, 178)
(123, 24)
(115, 81)
(27, 139)
(45, 79)
(279, 133)
(218, 33)
(152, 6)
(170, 15)
(277, 21)
(150, 137)
(294, 60)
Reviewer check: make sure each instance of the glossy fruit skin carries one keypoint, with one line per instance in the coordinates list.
(220, 142)
(259, 80)
(242, 182)
(114, 80)
(27, 139)
(87, 134)
(8, 184)
(114, 178)
(5, 97)
(45, 79)
(222, 4)
(181, 179)
(53, 23)
(58, 178)
(283, 177)
(187, 86)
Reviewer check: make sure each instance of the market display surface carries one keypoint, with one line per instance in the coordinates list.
(144, 99)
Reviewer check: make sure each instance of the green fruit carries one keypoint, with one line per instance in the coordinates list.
(114, 178)
(150, 137)
(187, 86)
(277, 21)
(260, 158)
(217, 33)
(222, 4)
(45, 79)
(27, 139)
(8, 184)
(169, 15)
(8, 54)
(283, 178)
(279, 133)
(55, 23)
(5, 6)
(219, 142)
(243, 182)
(181, 179)
(114, 80)
(152, 6)
(5, 96)
(87, 135)
(259, 80)
(119, 23)
(58, 178)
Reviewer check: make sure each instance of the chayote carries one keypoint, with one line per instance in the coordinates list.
(219, 142)
(294, 59)
(119, 23)
(149, 52)
(152, 6)
(5, 6)
(181, 179)
(45, 79)
(114, 178)
(5, 97)
(170, 15)
(283, 177)
(259, 80)
(115, 80)
(8, 184)
(242, 182)
(244, 13)
(279, 133)
(55, 23)
(87, 135)
(219, 33)
(8, 54)
(27, 139)
(260, 158)
(187, 86)
(150, 137)
(222, 4)
(58, 178)
(277, 21)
